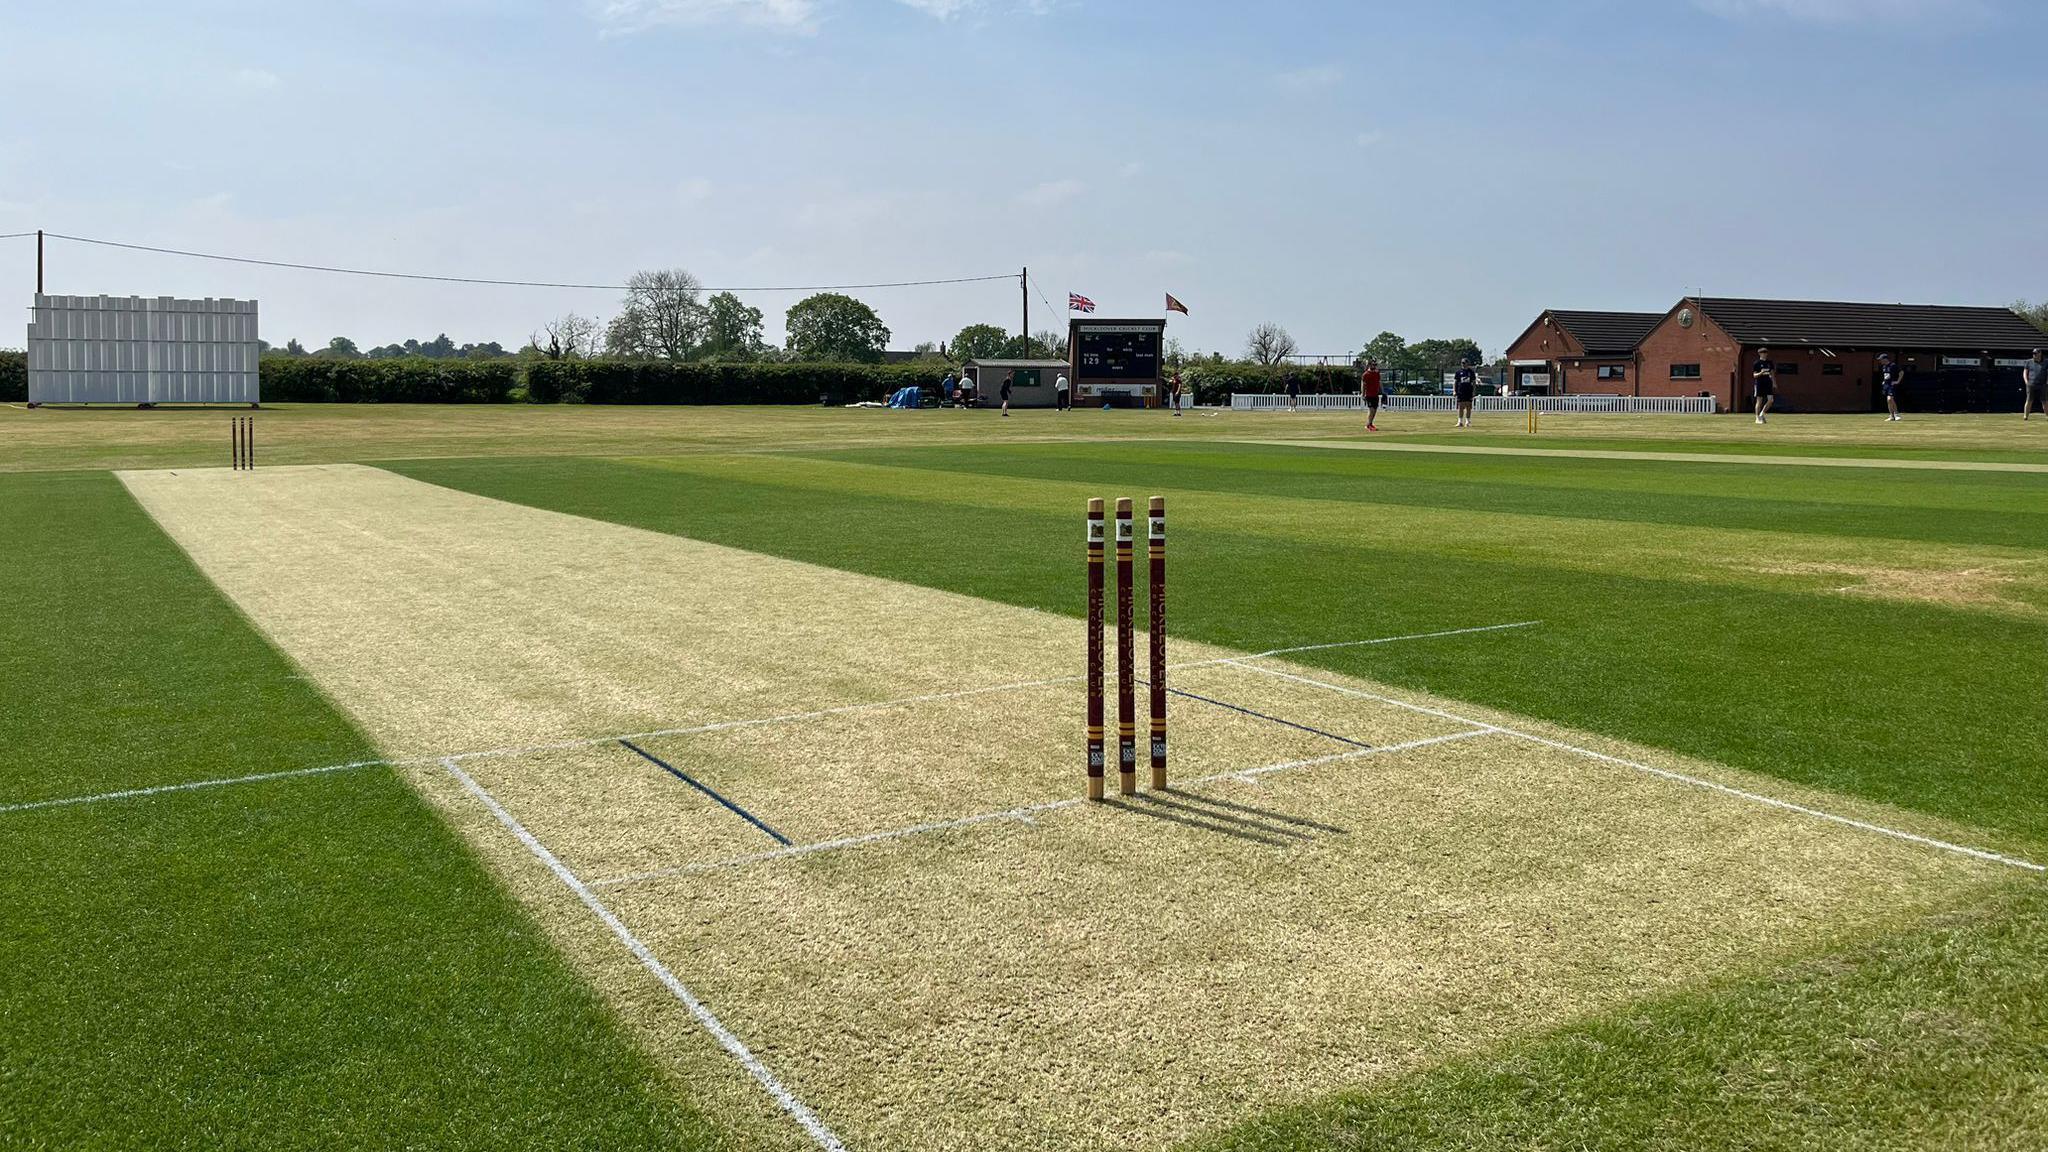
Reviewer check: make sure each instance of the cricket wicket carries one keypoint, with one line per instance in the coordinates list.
(1126, 658)
(242, 442)
(1157, 532)
(1126, 646)
(1535, 419)
(1095, 650)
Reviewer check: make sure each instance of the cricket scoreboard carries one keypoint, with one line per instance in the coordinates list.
(1117, 358)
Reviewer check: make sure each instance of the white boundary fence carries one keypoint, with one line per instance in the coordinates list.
(1351, 402)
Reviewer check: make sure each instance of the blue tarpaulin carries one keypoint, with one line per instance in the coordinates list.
(912, 397)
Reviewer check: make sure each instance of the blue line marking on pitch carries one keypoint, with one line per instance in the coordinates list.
(1271, 719)
(679, 774)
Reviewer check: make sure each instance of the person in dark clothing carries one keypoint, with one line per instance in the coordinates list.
(1464, 387)
(1009, 380)
(1764, 376)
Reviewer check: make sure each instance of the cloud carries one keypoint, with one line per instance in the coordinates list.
(625, 17)
(1051, 194)
(1303, 80)
(943, 9)
(1844, 11)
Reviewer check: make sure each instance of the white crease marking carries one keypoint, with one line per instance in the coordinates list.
(796, 1108)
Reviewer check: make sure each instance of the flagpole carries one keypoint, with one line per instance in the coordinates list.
(1024, 290)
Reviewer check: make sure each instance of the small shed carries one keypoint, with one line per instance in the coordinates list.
(1032, 388)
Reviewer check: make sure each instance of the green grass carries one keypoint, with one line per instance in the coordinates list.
(1935, 1038)
(313, 963)
(1918, 705)
(52, 438)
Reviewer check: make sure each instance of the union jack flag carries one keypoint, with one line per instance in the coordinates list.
(1079, 303)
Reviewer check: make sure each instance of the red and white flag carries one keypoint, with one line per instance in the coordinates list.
(1079, 303)
(1173, 305)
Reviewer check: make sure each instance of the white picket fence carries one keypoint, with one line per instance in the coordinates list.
(1352, 402)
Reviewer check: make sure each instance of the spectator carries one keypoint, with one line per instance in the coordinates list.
(1062, 394)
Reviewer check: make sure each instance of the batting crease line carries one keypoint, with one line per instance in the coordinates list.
(1668, 774)
(1285, 723)
(1022, 815)
(732, 725)
(796, 1108)
(706, 789)
(188, 787)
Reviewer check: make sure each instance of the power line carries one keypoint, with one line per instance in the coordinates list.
(498, 283)
(1041, 297)
(14, 235)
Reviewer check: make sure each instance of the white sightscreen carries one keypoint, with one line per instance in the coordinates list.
(131, 350)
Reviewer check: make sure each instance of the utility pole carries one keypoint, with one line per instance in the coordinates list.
(39, 261)
(1024, 290)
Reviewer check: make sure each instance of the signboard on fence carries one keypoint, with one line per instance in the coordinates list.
(136, 350)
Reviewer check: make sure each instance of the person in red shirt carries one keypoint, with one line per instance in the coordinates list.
(1369, 387)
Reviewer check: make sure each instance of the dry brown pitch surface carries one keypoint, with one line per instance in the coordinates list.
(950, 952)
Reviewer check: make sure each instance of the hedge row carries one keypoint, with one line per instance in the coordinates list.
(405, 381)
(422, 381)
(13, 376)
(661, 382)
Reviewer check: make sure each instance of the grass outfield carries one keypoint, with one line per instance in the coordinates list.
(312, 962)
(303, 961)
(53, 438)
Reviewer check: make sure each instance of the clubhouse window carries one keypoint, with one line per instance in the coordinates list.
(1831, 369)
(1790, 368)
(1612, 372)
(1685, 371)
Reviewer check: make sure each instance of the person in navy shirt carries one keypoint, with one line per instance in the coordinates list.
(1889, 377)
(1765, 375)
(1463, 388)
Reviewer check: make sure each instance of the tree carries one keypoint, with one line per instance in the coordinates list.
(2035, 314)
(660, 319)
(1049, 344)
(566, 337)
(979, 342)
(926, 350)
(830, 326)
(292, 347)
(732, 330)
(340, 348)
(1388, 349)
(1269, 344)
(1435, 357)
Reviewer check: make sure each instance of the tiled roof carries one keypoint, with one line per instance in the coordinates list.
(1794, 323)
(1608, 333)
